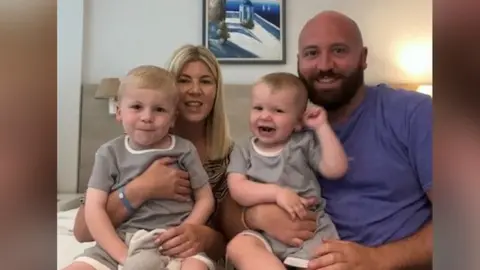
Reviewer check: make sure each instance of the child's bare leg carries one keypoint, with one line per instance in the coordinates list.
(193, 264)
(79, 266)
(247, 252)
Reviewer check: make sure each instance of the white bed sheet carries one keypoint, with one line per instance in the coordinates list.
(67, 246)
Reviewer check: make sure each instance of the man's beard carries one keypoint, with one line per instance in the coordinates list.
(335, 98)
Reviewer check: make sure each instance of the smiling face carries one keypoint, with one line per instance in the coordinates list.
(274, 114)
(331, 60)
(197, 87)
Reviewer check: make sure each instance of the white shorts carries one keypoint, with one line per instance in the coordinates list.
(99, 259)
(173, 264)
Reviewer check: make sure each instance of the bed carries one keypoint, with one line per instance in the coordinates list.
(67, 246)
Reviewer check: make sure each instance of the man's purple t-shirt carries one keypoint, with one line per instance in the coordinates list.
(388, 140)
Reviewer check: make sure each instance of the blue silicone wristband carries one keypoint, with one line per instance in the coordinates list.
(125, 201)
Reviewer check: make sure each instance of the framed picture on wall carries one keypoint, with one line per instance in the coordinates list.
(245, 31)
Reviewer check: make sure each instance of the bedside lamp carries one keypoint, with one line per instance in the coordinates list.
(108, 89)
(426, 89)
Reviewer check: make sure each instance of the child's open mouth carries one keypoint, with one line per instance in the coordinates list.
(264, 130)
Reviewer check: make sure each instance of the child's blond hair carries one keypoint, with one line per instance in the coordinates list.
(149, 77)
(284, 81)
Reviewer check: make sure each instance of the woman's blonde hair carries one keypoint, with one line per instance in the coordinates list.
(217, 128)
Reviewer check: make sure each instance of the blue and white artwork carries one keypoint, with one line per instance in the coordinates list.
(245, 31)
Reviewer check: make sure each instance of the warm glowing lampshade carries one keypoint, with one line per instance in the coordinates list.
(426, 89)
(108, 88)
(415, 59)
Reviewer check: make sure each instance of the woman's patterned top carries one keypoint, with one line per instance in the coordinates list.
(216, 170)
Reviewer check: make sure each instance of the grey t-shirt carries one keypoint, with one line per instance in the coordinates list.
(294, 166)
(116, 163)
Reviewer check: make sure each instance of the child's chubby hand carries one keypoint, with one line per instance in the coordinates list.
(291, 202)
(315, 117)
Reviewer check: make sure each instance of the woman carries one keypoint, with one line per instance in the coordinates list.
(203, 121)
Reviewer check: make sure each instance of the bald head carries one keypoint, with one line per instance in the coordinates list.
(331, 59)
(334, 21)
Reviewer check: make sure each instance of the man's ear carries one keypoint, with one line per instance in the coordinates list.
(364, 57)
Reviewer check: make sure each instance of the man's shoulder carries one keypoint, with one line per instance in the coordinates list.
(401, 111)
(400, 100)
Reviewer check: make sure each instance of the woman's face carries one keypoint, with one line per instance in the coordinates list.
(197, 91)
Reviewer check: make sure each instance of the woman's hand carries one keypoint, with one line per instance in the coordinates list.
(161, 181)
(276, 222)
(184, 241)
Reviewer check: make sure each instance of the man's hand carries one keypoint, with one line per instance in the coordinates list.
(292, 203)
(160, 181)
(344, 255)
(277, 223)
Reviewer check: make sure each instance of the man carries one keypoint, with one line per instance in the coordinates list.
(382, 207)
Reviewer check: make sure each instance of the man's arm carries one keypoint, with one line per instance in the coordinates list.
(414, 252)
(411, 253)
